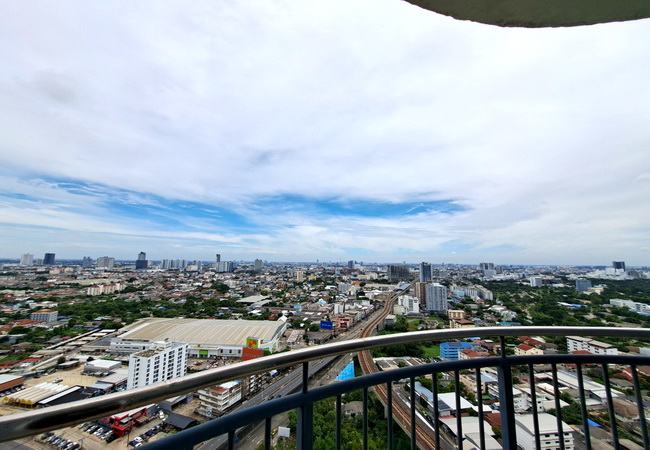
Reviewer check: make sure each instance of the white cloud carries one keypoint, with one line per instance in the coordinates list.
(540, 134)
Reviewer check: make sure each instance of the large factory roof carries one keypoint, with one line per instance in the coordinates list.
(202, 331)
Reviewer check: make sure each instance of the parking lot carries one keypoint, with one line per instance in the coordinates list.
(94, 436)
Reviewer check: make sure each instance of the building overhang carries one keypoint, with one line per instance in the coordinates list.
(539, 13)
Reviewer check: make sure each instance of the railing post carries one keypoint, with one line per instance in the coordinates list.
(305, 425)
(389, 413)
(436, 425)
(459, 418)
(365, 419)
(639, 402)
(479, 403)
(413, 427)
(507, 406)
(338, 422)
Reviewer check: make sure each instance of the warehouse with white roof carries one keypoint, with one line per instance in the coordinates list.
(205, 338)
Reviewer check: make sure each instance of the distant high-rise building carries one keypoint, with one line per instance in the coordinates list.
(618, 265)
(105, 262)
(27, 259)
(86, 262)
(48, 259)
(425, 272)
(257, 265)
(141, 262)
(351, 264)
(300, 275)
(582, 285)
(486, 266)
(398, 273)
(421, 293)
(225, 266)
(436, 298)
(536, 281)
(218, 258)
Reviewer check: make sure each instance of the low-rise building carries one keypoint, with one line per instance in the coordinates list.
(216, 400)
(525, 349)
(44, 315)
(449, 350)
(591, 345)
(548, 432)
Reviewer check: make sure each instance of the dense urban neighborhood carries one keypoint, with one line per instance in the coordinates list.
(72, 330)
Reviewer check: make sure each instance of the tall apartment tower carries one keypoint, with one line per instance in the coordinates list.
(436, 298)
(163, 361)
(27, 259)
(582, 285)
(398, 273)
(258, 265)
(142, 262)
(218, 258)
(48, 259)
(618, 265)
(105, 262)
(425, 272)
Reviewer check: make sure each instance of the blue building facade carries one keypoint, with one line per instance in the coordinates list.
(449, 350)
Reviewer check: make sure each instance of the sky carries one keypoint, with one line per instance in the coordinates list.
(368, 130)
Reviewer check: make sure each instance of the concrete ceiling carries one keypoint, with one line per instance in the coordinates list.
(539, 13)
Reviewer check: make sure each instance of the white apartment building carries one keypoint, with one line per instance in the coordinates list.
(521, 399)
(44, 315)
(215, 400)
(575, 343)
(162, 361)
(105, 262)
(436, 298)
(27, 259)
(595, 393)
(104, 289)
(637, 307)
(411, 304)
(548, 432)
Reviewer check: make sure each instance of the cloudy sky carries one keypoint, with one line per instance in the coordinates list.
(333, 130)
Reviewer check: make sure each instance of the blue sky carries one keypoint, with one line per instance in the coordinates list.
(296, 131)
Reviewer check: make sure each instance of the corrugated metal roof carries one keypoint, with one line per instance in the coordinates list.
(202, 331)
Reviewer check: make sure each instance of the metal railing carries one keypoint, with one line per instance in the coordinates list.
(56, 417)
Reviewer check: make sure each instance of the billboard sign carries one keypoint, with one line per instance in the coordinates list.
(252, 342)
(326, 325)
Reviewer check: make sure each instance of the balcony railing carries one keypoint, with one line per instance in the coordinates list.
(56, 417)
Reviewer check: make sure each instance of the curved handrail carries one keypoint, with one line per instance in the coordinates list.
(240, 419)
(51, 418)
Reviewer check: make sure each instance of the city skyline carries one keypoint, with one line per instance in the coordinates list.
(297, 132)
